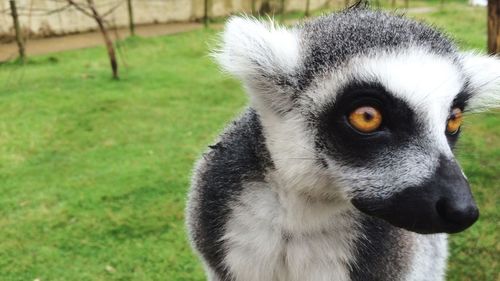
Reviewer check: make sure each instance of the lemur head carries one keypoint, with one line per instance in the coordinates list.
(365, 106)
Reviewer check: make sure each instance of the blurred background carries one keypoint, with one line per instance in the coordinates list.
(106, 104)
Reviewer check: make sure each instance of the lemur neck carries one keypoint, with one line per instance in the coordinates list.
(298, 211)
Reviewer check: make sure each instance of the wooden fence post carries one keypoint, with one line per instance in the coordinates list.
(205, 13)
(494, 26)
(17, 28)
(131, 17)
(308, 4)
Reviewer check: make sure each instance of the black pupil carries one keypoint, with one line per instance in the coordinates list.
(368, 116)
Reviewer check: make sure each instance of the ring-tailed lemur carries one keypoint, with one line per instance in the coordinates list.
(342, 166)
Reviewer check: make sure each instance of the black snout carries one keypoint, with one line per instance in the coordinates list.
(443, 203)
(451, 212)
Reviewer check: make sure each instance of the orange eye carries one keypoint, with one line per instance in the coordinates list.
(365, 119)
(454, 121)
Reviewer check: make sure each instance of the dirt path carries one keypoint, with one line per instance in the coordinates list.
(89, 39)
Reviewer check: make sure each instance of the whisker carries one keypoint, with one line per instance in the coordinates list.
(488, 82)
(298, 158)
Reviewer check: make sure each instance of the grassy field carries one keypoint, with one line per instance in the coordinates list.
(94, 172)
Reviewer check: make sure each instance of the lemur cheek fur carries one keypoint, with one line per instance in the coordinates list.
(343, 159)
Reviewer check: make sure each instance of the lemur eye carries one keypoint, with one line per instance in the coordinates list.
(454, 121)
(366, 119)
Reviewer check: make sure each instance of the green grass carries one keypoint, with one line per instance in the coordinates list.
(467, 25)
(95, 172)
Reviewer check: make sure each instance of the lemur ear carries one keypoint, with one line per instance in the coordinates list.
(483, 73)
(263, 56)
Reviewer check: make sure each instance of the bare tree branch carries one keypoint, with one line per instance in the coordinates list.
(17, 28)
(89, 9)
(80, 8)
(111, 10)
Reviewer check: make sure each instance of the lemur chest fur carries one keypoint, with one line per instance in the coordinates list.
(278, 236)
(284, 237)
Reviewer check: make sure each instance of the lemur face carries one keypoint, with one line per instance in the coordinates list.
(387, 133)
(372, 103)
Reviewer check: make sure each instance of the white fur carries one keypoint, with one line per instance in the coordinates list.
(484, 74)
(429, 258)
(257, 53)
(291, 147)
(276, 235)
(250, 47)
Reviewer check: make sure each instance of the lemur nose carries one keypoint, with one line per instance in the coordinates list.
(460, 214)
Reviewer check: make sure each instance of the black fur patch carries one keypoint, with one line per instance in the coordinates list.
(240, 156)
(461, 101)
(342, 142)
(381, 252)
